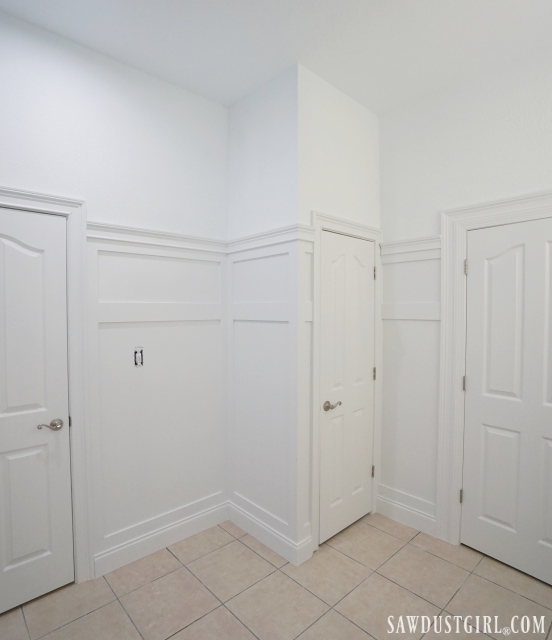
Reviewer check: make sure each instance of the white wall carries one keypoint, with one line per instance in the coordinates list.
(262, 169)
(488, 139)
(338, 154)
(141, 152)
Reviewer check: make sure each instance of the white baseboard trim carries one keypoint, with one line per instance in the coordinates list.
(156, 540)
(406, 515)
(296, 553)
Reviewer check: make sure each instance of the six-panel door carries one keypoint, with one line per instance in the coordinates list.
(507, 506)
(36, 539)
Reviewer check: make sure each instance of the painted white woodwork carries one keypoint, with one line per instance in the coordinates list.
(411, 313)
(36, 541)
(347, 360)
(269, 388)
(166, 419)
(456, 225)
(508, 415)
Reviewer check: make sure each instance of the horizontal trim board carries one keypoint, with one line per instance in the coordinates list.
(261, 311)
(405, 515)
(411, 256)
(411, 311)
(415, 245)
(162, 537)
(158, 311)
(407, 500)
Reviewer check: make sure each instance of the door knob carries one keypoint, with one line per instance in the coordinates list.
(328, 406)
(55, 425)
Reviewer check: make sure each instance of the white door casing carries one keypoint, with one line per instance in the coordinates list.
(507, 478)
(347, 359)
(36, 541)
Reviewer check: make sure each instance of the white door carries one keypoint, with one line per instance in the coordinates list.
(36, 539)
(507, 506)
(346, 381)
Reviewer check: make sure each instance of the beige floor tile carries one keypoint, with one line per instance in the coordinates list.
(200, 544)
(456, 553)
(365, 544)
(12, 625)
(390, 526)
(218, 625)
(137, 574)
(514, 580)
(370, 605)
(328, 574)
(333, 626)
(263, 551)
(481, 597)
(169, 604)
(424, 574)
(233, 529)
(108, 623)
(65, 605)
(277, 608)
(230, 570)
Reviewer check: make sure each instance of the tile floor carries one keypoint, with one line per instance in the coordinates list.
(223, 584)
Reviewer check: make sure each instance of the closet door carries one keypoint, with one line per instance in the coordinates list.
(347, 363)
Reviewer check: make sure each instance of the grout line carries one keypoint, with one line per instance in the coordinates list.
(66, 624)
(240, 621)
(25, 621)
(260, 556)
(130, 618)
(191, 623)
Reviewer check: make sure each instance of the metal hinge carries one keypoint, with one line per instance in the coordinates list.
(374, 373)
(70, 422)
(375, 271)
(463, 383)
(466, 266)
(461, 496)
(373, 471)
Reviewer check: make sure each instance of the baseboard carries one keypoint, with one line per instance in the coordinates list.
(295, 553)
(406, 515)
(156, 540)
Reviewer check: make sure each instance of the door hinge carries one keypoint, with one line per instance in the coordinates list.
(461, 496)
(70, 422)
(466, 266)
(374, 373)
(463, 383)
(373, 471)
(375, 271)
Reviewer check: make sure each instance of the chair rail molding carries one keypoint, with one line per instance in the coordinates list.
(455, 225)
(75, 213)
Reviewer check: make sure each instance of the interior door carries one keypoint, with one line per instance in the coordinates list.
(36, 538)
(507, 505)
(346, 381)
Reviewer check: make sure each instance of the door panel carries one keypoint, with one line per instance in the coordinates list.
(36, 542)
(347, 359)
(507, 481)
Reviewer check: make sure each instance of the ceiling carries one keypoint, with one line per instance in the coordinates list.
(383, 53)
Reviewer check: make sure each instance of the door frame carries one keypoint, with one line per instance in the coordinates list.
(75, 213)
(323, 222)
(455, 225)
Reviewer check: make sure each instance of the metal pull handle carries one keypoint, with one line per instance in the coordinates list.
(328, 406)
(55, 425)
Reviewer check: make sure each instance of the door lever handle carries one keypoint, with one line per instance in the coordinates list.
(55, 425)
(328, 406)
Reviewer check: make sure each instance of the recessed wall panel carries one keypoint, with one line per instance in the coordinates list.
(22, 370)
(261, 416)
(337, 307)
(500, 464)
(503, 317)
(132, 277)
(262, 279)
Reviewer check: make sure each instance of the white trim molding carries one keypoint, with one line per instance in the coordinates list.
(323, 222)
(428, 248)
(75, 213)
(455, 225)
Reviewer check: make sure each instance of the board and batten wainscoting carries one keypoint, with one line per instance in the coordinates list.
(157, 432)
(411, 352)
